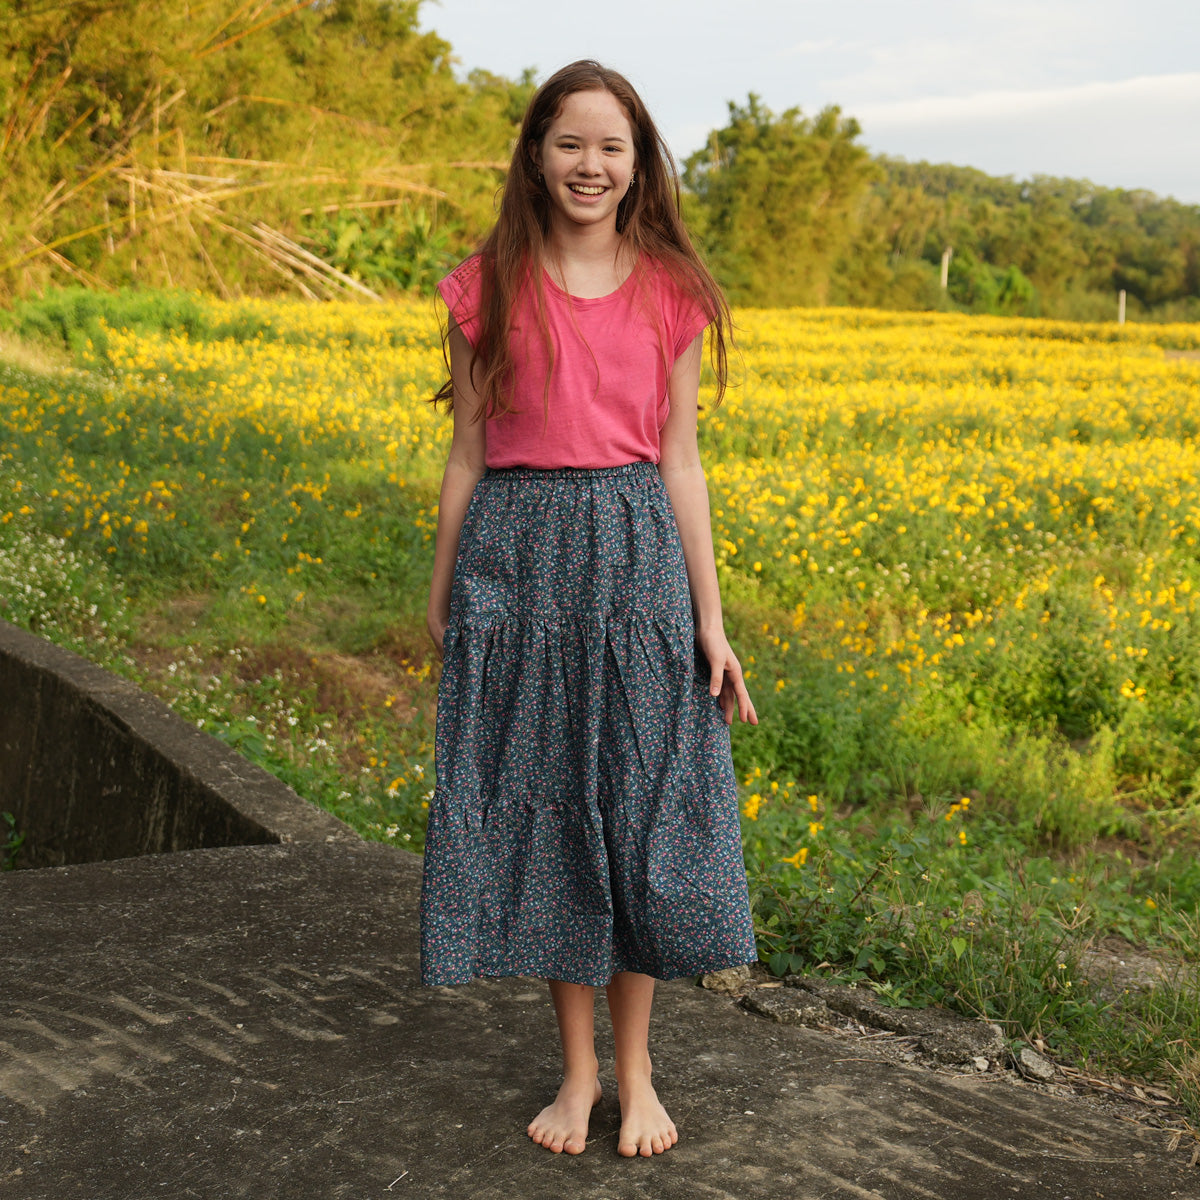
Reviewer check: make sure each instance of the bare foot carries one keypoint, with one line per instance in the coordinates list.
(563, 1125)
(645, 1127)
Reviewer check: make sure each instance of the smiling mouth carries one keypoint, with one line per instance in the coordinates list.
(581, 189)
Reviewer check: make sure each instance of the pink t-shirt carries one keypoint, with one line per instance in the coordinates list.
(613, 355)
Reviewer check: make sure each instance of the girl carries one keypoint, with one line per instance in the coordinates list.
(584, 827)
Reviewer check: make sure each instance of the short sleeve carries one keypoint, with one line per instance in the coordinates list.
(462, 290)
(684, 316)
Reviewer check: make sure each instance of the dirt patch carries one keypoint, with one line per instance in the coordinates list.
(1114, 966)
(946, 1043)
(396, 679)
(408, 648)
(346, 685)
(1193, 354)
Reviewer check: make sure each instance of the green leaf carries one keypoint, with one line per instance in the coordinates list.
(779, 962)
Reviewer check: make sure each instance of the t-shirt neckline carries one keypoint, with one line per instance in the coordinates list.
(613, 295)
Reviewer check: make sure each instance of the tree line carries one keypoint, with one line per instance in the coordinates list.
(327, 146)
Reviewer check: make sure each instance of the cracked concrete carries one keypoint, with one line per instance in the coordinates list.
(248, 1022)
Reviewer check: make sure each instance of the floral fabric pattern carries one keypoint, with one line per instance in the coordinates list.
(585, 817)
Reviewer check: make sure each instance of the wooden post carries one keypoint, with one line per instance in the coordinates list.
(949, 250)
(1121, 307)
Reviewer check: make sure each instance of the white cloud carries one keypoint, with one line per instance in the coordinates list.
(1131, 94)
(1134, 133)
(817, 46)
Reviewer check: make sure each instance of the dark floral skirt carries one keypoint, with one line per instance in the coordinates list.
(585, 818)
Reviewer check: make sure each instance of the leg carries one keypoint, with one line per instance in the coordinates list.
(563, 1125)
(645, 1127)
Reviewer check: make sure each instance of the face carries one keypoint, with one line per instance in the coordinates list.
(587, 159)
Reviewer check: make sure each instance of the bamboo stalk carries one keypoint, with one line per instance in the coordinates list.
(237, 37)
(281, 240)
(232, 189)
(482, 165)
(206, 258)
(70, 129)
(70, 193)
(114, 155)
(316, 109)
(14, 109)
(40, 112)
(74, 269)
(229, 20)
(354, 205)
(285, 265)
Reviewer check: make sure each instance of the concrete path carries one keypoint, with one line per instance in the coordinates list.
(248, 1022)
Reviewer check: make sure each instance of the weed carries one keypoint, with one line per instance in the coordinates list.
(13, 841)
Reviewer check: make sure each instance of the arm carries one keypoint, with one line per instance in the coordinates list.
(683, 476)
(464, 467)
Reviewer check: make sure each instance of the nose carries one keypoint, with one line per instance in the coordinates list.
(590, 163)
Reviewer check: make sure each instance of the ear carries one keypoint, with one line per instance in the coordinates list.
(534, 151)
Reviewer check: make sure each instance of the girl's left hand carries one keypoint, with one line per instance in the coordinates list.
(726, 681)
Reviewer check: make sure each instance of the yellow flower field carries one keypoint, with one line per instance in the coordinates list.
(976, 535)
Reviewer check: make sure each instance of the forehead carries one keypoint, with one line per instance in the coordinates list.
(599, 113)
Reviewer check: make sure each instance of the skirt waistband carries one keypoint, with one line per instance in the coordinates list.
(639, 469)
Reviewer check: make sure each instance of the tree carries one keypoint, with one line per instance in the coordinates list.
(781, 199)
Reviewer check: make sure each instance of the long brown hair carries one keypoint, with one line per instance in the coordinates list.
(648, 217)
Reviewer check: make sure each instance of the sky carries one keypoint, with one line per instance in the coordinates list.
(1107, 90)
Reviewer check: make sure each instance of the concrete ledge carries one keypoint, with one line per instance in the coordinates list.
(93, 768)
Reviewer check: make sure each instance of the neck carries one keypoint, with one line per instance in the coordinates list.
(589, 265)
(584, 243)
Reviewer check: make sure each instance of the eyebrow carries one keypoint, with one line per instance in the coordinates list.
(612, 137)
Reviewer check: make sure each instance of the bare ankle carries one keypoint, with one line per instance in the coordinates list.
(635, 1070)
(579, 1072)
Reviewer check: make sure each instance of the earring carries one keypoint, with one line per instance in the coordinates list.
(633, 179)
